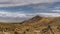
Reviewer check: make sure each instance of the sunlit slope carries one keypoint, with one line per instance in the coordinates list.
(37, 24)
(39, 20)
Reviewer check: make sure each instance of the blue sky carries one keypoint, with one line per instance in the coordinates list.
(19, 10)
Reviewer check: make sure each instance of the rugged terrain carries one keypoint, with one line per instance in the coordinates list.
(35, 25)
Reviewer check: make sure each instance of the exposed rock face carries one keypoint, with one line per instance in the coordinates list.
(36, 25)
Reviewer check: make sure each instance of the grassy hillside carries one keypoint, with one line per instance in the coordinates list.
(35, 25)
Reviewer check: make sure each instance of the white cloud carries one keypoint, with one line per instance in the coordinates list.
(56, 11)
(21, 15)
(11, 14)
(6, 16)
(4, 13)
(14, 17)
(23, 2)
(49, 14)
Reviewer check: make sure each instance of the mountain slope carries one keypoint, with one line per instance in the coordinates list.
(32, 20)
(38, 20)
(37, 24)
(43, 24)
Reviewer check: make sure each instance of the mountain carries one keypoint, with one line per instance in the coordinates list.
(46, 25)
(38, 20)
(37, 24)
(32, 20)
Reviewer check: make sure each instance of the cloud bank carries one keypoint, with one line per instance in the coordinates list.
(36, 7)
(6, 16)
(6, 3)
(50, 14)
(18, 17)
(11, 14)
(23, 15)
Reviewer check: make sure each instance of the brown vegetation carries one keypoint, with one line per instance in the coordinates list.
(36, 25)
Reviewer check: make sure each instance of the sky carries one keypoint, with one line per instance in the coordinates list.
(20, 10)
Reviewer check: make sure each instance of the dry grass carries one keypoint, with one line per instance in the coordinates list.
(36, 25)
